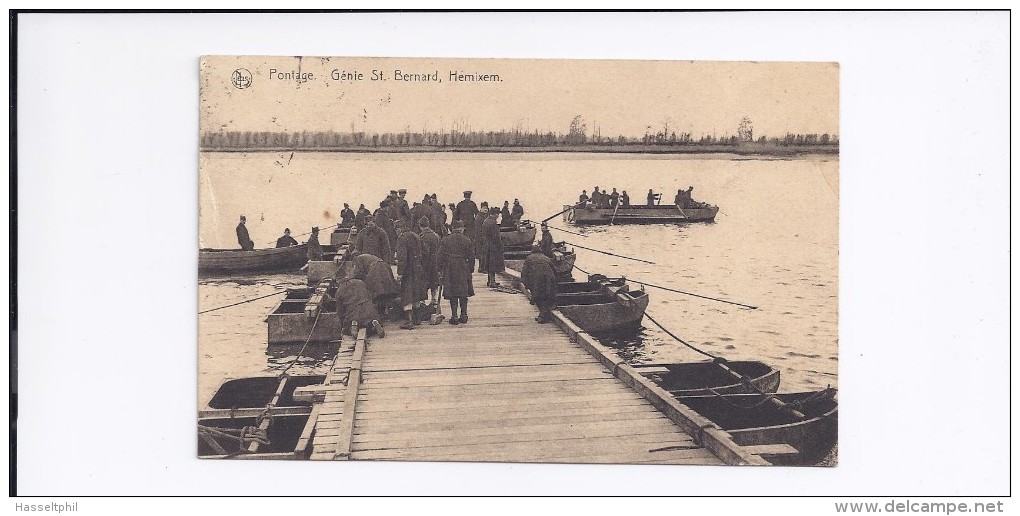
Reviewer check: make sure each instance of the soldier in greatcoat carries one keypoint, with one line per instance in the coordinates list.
(429, 254)
(378, 278)
(410, 273)
(373, 240)
(314, 249)
(539, 278)
(456, 262)
(354, 303)
(466, 212)
(243, 239)
(546, 242)
(492, 248)
(476, 235)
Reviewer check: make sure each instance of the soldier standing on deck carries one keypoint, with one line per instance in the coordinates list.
(373, 240)
(429, 253)
(465, 212)
(456, 262)
(480, 217)
(492, 248)
(410, 273)
(314, 248)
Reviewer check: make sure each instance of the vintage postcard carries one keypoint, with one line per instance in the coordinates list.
(552, 261)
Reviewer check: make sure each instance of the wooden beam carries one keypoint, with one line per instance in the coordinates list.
(343, 445)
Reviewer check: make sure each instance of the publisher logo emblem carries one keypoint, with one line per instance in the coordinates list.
(241, 78)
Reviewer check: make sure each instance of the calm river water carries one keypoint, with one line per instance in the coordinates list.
(773, 245)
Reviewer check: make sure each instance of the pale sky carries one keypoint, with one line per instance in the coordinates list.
(621, 97)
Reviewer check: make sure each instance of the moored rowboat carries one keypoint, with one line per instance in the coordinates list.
(614, 308)
(521, 234)
(751, 421)
(696, 378)
(658, 214)
(282, 259)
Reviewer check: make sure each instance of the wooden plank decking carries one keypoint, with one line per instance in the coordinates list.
(501, 388)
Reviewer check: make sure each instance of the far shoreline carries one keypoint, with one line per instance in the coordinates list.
(652, 151)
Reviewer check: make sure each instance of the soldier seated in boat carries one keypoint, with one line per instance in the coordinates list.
(286, 240)
(583, 199)
(517, 213)
(505, 218)
(243, 239)
(624, 200)
(346, 216)
(546, 242)
(614, 198)
(651, 198)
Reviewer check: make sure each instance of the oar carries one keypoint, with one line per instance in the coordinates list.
(684, 215)
(547, 219)
(611, 254)
(614, 214)
(692, 294)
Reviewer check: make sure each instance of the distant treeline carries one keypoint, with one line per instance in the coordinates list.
(476, 141)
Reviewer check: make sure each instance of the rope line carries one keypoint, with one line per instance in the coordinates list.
(242, 302)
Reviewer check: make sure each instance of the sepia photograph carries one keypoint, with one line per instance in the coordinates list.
(518, 260)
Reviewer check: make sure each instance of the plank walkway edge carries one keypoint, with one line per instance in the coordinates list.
(704, 432)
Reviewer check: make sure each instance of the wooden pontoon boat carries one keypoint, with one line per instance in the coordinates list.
(658, 214)
(752, 421)
(225, 261)
(696, 378)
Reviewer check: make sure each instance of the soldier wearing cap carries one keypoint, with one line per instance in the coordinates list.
(476, 236)
(492, 248)
(314, 248)
(243, 239)
(466, 212)
(429, 253)
(346, 216)
(539, 278)
(286, 240)
(373, 240)
(359, 217)
(385, 223)
(546, 242)
(456, 262)
(517, 213)
(410, 273)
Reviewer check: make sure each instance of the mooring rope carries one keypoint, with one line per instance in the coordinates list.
(242, 302)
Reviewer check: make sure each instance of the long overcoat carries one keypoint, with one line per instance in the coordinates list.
(354, 303)
(409, 267)
(466, 212)
(492, 246)
(456, 261)
(429, 255)
(377, 275)
(539, 276)
(373, 241)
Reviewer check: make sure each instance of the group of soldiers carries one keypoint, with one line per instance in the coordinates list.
(433, 259)
(604, 199)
